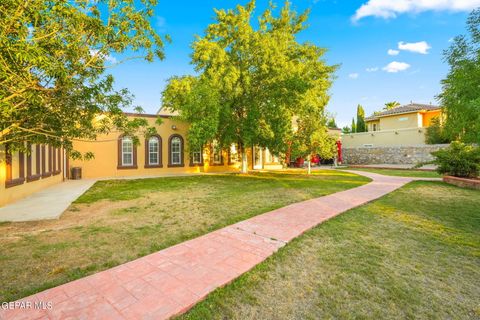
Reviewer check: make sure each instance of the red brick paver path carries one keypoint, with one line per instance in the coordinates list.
(171, 281)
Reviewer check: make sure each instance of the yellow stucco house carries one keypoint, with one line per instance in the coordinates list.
(401, 126)
(116, 156)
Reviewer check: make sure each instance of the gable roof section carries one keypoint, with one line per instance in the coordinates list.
(409, 108)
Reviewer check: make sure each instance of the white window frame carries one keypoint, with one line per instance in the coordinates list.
(196, 154)
(126, 140)
(153, 142)
(174, 141)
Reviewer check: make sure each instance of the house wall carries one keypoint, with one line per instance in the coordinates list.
(373, 122)
(105, 149)
(401, 121)
(400, 137)
(428, 116)
(26, 185)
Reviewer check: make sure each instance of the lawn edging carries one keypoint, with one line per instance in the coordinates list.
(463, 182)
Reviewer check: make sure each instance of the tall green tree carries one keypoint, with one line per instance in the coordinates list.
(460, 95)
(346, 129)
(331, 123)
(361, 127)
(253, 78)
(354, 126)
(391, 105)
(53, 61)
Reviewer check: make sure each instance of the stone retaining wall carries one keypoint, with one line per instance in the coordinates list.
(390, 155)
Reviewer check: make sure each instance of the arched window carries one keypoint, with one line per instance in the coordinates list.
(127, 153)
(153, 152)
(175, 151)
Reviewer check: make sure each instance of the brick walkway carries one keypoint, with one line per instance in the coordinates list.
(171, 281)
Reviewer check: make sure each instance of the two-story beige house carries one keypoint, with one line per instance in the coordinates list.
(401, 126)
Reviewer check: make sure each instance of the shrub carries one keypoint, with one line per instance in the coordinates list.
(435, 133)
(459, 160)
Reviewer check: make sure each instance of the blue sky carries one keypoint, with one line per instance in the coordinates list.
(424, 29)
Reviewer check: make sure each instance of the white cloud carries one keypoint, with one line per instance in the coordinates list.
(392, 8)
(394, 67)
(353, 75)
(418, 47)
(372, 69)
(392, 52)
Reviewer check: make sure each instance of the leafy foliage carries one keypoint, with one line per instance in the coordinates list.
(435, 133)
(461, 95)
(53, 58)
(459, 159)
(312, 137)
(391, 105)
(331, 123)
(353, 126)
(346, 129)
(252, 80)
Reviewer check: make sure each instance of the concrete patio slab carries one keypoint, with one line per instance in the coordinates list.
(171, 281)
(49, 203)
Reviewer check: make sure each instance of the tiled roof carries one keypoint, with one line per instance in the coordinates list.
(167, 112)
(412, 107)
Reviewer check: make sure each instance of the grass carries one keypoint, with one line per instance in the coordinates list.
(118, 221)
(400, 172)
(412, 254)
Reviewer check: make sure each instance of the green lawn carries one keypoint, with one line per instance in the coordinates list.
(118, 221)
(400, 173)
(413, 254)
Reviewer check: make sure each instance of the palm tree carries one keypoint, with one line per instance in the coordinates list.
(391, 105)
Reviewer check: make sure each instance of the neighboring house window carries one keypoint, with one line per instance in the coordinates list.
(176, 146)
(33, 163)
(127, 153)
(153, 152)
(175, 152)
(196, 158)
(46, 161)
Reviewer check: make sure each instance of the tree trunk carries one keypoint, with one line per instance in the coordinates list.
(244, 168)
(309, 164)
